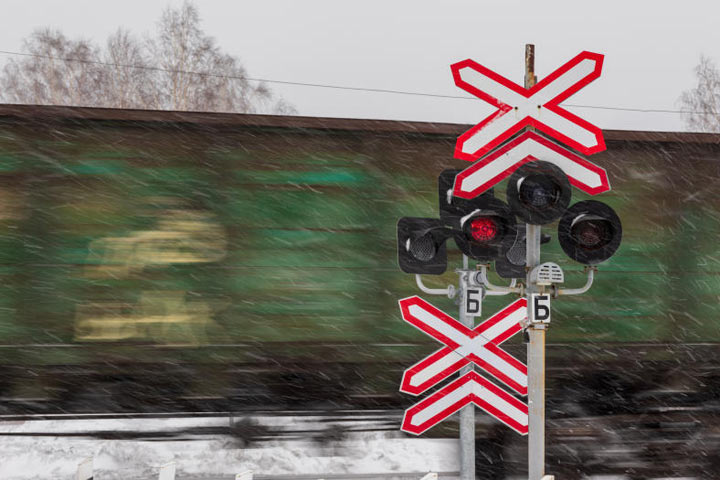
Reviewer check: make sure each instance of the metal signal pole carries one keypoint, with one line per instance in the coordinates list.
(467, 414)
(536, 332)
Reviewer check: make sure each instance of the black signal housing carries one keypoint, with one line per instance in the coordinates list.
(421, 245)
(590, 232)
(453, 209)
(487, 231)
(538, 192)
(512, 264)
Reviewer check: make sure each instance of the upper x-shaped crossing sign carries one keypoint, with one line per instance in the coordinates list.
(518, 107)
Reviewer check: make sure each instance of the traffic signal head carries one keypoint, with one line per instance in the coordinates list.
(453, 208)
(484, 229)
(484, 226)
(421, 245)
(487, 230)
(512, 264)
(538, 192)
(590, 232)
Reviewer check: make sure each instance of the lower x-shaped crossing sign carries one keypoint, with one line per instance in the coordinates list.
(462, 346)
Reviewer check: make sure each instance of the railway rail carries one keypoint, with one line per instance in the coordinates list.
(340, 476)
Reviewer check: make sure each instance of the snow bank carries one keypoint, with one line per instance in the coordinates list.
(54, 456)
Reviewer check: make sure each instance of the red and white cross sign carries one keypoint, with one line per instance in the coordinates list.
(464, 345)
(528, 147)
(470, 388)
(518, 107)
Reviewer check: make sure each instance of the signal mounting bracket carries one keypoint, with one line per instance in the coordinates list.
(546, 274)
(590, 271)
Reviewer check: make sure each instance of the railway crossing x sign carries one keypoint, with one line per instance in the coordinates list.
(494, 144)
(519, 107)
(528, 147)
(462, 346)
(470, 388)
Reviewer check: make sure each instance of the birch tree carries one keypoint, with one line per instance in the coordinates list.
(701, 104)
(180, 67)
(45, 77)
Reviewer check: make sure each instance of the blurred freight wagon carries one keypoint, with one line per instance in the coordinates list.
(171, 261)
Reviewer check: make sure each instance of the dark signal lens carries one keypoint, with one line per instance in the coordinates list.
(540, 192)
(483, 229)
(592, 234)
(421, 245)
(423, 248)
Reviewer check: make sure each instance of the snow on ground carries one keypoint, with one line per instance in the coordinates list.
(41, 457)
(25, 456)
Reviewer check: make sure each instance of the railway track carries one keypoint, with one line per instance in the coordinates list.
(329, 414)
(339, 476)
(247, 428)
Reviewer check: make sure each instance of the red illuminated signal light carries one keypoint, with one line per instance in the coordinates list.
(483, 229)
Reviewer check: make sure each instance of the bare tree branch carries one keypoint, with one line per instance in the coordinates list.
(44, 80)
(702, 103)
(125, 86)
(184, 69)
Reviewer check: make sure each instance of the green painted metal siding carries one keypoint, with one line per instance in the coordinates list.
(125, 235)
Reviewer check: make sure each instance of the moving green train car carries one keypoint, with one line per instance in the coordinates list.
(164, 260)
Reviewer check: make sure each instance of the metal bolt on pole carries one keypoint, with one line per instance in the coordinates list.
(467, 414)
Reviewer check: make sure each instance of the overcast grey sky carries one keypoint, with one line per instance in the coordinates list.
(650, 48)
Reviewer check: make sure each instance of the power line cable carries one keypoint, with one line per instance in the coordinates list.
(236, 77)
(322, 85)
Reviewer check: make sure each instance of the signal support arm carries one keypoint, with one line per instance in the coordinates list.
(577, 291)
(491, 289)
(450, 291)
